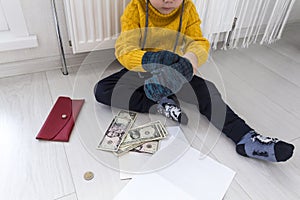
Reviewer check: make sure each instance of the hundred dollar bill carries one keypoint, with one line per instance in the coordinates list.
(148, 132)
(114, 135)
(127, 114)
(148, 147)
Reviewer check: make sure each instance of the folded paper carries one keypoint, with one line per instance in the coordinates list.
(189, 176)
(61, 119)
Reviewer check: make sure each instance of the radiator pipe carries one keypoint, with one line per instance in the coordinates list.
(64, 68)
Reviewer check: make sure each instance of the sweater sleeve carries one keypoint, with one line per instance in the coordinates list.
(127, 47)
(196, 42)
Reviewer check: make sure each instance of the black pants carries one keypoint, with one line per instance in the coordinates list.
(125, 89)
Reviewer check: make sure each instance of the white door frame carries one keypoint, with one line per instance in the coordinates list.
(16, 35)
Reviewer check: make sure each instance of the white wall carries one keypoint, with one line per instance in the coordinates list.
(39, 20)
(295, 14)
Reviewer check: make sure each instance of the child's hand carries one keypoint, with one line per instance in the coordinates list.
(154, 60)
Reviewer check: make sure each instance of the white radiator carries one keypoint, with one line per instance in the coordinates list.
(95, 24)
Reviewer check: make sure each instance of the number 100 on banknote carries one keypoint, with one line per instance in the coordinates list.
(115, 132)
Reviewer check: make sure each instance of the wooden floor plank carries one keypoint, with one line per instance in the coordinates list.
(30, 169)
(259, 111)
(68, 197)
(288, 48)
(277, 62)
(81, 149)
(273, 86)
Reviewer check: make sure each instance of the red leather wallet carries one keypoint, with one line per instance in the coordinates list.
(61, 119)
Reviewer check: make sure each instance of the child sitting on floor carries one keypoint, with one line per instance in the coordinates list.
(160, 46)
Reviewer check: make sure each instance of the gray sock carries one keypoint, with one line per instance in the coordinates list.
(257, 146)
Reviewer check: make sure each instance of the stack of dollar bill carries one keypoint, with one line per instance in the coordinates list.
(121, 138)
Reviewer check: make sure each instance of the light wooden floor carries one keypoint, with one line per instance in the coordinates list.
(261, 83)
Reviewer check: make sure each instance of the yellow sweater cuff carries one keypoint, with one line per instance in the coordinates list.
(132, 60)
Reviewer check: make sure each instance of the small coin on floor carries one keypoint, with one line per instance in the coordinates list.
(88, 175)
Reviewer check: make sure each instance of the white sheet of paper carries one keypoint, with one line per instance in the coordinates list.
(188, 177)
(152, 187)
(202, 178)
(132, 162)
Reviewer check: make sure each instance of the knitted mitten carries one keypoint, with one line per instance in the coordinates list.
(164, 82)
(153, 61)
(160, 57)
(184, 67)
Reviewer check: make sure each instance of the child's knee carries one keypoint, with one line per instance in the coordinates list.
(212, 89)
(99, 92)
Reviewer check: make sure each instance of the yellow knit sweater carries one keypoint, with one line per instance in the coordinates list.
(161, 34)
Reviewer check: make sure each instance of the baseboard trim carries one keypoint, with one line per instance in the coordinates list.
(51, 63)
(14, 43)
